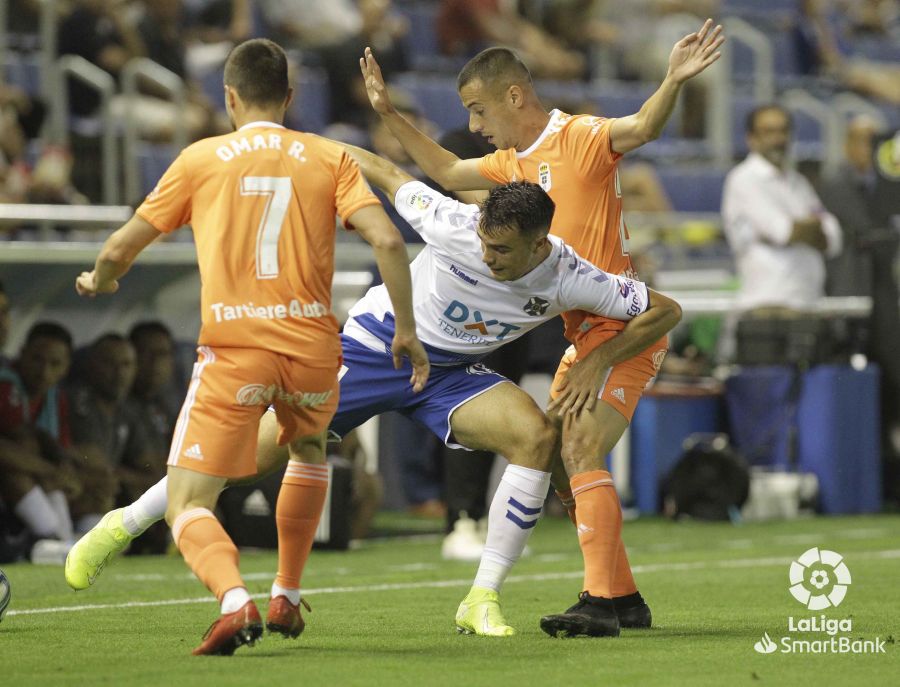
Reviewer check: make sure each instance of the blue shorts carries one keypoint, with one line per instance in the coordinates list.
(371, 386)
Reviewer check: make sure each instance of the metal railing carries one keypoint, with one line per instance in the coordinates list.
(49, 25)
(135, 70)
(104, 84)
(829, 120)
(759, 44)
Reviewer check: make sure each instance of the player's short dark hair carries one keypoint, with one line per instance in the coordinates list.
(258, 70)
(753, 115)
(147, 327)
(49, 330)
(519, 204)
(497, 68)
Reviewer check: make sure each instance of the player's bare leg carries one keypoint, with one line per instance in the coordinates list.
(213, 557)
(610, 598)
(507, 421)
(297, 514)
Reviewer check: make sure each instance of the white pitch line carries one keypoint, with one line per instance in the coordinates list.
(440, 584)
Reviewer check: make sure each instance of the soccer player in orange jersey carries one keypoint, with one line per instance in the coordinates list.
(262, 203)
(574, 158)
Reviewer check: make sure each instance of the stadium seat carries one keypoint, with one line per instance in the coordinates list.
(311, 107)
(693, 189)
(23, 70)
(436, 97)
(153, 159)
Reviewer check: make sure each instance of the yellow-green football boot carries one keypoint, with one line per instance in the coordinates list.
(93, 551)
(480, 614)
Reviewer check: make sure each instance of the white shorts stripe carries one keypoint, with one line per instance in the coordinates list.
(206, 357)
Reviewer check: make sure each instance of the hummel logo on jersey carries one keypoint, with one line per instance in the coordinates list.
(462, 275)
(584, 529)
(536, 306)
(618, 394)
(194, 452)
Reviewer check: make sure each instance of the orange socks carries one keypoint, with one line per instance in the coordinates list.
(207, 550)
(297, 515)
(623, 582)
(599, 529)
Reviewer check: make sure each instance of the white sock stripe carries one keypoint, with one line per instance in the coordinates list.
(186, 517)
(183, 417)
(589, 485)
(303, 467)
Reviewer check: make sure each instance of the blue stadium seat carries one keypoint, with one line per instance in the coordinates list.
(693, 189)
(23, 70)
(153, 160)
(421, 40)
(311, 108)
(437, 98)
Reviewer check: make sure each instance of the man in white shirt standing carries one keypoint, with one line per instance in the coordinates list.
(776, 225)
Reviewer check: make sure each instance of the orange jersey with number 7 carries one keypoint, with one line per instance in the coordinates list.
(254, 198)
(573, 161)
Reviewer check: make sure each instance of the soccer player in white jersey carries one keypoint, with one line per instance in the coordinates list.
(485, 277)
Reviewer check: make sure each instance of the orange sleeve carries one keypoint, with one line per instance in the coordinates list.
(589, 144)
(497, 166)
(352, 192)
(168, 206)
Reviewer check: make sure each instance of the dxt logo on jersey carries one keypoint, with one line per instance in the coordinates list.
(536, 306)
(459, 312)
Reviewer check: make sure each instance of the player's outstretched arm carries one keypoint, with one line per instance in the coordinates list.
(582, 384)
(376, 228)
(437, 162)
(379, 172)
(690, 56)
(116, 256)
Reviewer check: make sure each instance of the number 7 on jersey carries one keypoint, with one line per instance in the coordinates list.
(277, 191)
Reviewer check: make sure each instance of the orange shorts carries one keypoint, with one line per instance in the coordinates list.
(625, 383)
(230, 389)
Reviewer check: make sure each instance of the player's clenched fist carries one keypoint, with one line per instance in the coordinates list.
(86, 285)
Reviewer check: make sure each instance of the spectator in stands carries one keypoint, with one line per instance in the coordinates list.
(311, 24)
(107, 431)
(466, 26)
(381, 27)
(4, 325)
(220, 21)
(821, 51)
(154, 392)
(39, 473)
(778, 229)
(157, 398)
(162, 31)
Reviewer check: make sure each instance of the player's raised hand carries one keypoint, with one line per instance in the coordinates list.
(86, 285)
(695, 52)
(375, 86)
(410, 347)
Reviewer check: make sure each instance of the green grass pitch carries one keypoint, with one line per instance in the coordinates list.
(383, 615)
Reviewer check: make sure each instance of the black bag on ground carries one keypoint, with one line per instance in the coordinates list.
(248, 512)
(709, 482)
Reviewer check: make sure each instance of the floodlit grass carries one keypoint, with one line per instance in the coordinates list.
(383, 615)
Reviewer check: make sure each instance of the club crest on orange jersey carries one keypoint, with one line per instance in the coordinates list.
(544, 178)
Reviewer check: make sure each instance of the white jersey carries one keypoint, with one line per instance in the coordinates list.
(462, 312)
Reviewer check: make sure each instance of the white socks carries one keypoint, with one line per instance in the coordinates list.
(37, 512)
(63, 516)
(234, 599)
(293, 595)
(148, 509)
(514, 512)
